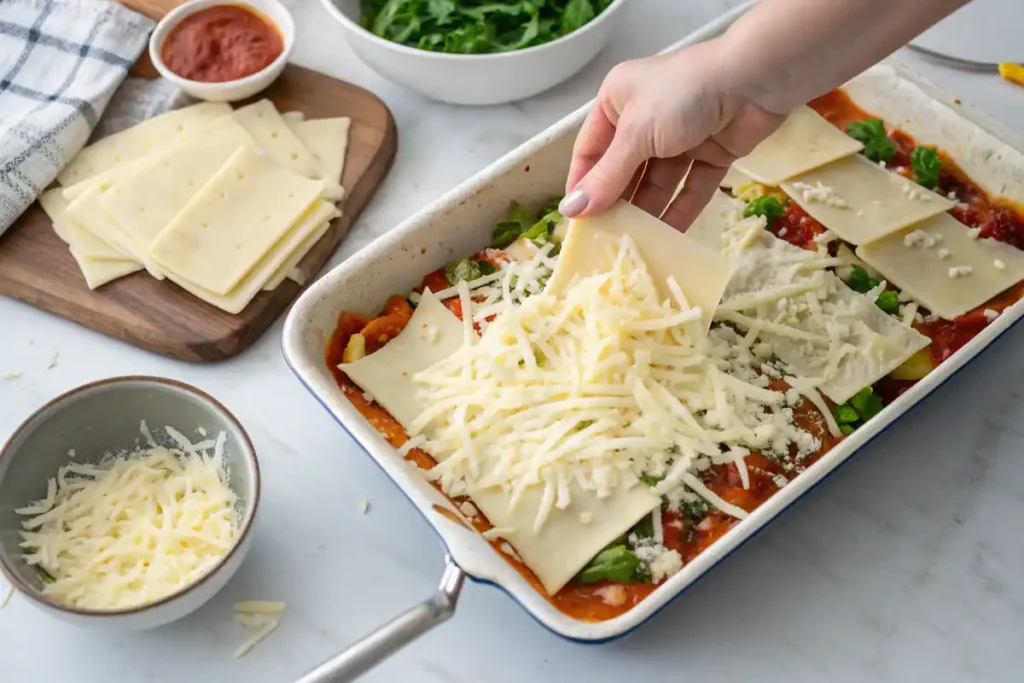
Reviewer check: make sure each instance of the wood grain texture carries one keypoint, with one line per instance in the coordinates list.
(37, 268)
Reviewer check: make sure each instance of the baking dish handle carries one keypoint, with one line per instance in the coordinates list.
(367, 653)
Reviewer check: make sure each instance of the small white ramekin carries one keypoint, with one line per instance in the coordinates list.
(228, 91)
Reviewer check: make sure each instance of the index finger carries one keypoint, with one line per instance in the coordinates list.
(592, 141)
(700, 185)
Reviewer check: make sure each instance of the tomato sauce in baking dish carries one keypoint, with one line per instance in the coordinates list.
(221, 43)
(690, 525)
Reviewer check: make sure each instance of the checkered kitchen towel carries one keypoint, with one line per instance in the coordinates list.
(60, 63)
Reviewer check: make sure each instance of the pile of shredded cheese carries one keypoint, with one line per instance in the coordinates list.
(598, 386)
(134, 528)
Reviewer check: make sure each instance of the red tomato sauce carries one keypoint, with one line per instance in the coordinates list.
(998, 219)
(221, 43)
(797, 227)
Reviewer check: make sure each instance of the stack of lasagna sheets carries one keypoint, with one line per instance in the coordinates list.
(222, 202)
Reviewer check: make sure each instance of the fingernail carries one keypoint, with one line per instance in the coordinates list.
(573, 203)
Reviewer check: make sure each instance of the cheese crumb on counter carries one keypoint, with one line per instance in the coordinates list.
(974, 233)
(364, 505)
(999, 264)
(264, 615)
(260, 606)
(943, 254)
(959, 271)
(11, 376)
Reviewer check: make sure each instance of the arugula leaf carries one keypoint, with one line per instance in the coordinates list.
(508, 229)
(551, 205)
(475, 26)
(463, 269)
(769, 207)
(926, 164)
(540, 232)
(577, 13)
(486, 268)
(651, 480)
(644, 528)
(860, 281)
(616, 563)
(877, 145)
(695, 510)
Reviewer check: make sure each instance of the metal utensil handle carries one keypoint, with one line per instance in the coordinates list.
(367, 653)
(955, 62)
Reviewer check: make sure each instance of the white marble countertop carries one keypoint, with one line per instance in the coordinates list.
(895, 569)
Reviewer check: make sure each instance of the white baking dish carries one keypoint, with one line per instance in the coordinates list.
(459, 224)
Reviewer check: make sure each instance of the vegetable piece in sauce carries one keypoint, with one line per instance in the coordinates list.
(926, 164)
(221, 43)
(508, 229)
(861, 281)
(863, 406)
(616, 563)
(767, 206)
(877, 145)
(542, 231)
(889, 301)
(467, 269)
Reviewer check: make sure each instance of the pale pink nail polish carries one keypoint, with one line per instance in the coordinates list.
(573, 203)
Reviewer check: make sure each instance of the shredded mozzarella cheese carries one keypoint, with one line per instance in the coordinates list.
(134, 528)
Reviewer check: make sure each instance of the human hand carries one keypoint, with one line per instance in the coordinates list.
(682, 115)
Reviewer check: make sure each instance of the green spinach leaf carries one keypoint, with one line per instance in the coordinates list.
(616, 563)
(877, 145)
(477, 26)
(463, 269)
(926, 164)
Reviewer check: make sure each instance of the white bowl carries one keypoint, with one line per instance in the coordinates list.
(228, 91)
(99, 418)
(476, 79)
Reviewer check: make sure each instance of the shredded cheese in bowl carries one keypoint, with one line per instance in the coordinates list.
(134, 528)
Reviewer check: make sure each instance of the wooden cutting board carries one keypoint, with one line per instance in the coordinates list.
(37, 268)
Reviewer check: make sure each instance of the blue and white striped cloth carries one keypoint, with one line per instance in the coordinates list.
(60, 63)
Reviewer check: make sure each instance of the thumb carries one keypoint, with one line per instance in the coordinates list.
(610, 176)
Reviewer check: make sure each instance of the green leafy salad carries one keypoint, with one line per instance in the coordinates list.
(477, 26)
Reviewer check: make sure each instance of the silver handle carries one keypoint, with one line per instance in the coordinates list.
(367, 653)
(955, 62)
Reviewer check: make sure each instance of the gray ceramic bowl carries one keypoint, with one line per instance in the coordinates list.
(94, 420)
